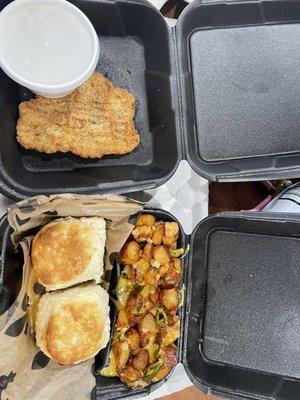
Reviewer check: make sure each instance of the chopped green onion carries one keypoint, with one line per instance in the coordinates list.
(161, 317)
(153, 369)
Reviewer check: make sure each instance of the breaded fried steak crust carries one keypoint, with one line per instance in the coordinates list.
(94, 120)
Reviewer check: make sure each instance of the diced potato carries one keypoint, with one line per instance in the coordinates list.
(153, 349)
(130, 375)
(130, 253)
(147, 325)
(155, 264)
(171, 233)
(147, 306)
(147, 253)
(163, 269)
(154, 295)
(170, 334)
(139, 270)
(133, 339)
(170, 279)
(121, 354)
(145, 292)
(134, 301)
(169, 298)
(172, 319)
(122, 320)
(170, 355)
(152, 277)
(142, 233)
(161, 254)
(158, 235)
(141, 360)
(173, 246)
(145, 339)
(145, 219)
(177, 264)
(135, 319)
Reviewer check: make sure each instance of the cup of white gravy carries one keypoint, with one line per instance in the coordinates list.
(48, 46)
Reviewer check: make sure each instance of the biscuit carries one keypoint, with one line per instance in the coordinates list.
(73, 325)
(69, 251)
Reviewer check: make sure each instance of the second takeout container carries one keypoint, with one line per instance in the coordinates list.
(240, 320)
(220, 89)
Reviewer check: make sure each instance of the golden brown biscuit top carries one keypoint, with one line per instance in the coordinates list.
(61, 252)
(74, 332)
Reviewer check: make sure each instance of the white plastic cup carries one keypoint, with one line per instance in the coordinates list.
(48, 46)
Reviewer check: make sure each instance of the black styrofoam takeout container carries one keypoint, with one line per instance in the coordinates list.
(220, 89)
(240, 319)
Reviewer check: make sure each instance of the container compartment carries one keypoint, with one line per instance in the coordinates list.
(113, 388)
(134, 54)
(240, 75)
(243, 322)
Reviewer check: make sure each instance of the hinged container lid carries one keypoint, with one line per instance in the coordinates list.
(243, 306)
(240, 88)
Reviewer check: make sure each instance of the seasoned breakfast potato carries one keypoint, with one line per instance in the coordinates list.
(170, 276)
(170, 333)
(145, 219)
(161, 255)
(122, 320)
(140, 361)
(158, 234)
(133, 339)
(171, 233)
(121, 353)
(143, 349)
(142, 233)
(130, 375)
(152, 277)
(147, 252)
(139, 270)
(130, 253)
(169, 298)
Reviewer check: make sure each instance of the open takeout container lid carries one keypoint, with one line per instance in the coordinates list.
(240, 320)
(220, 89)
(242, 314)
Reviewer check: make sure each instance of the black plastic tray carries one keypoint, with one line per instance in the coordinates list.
(113, 388)
(134, 46)
(240, 323)
(220, 89)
